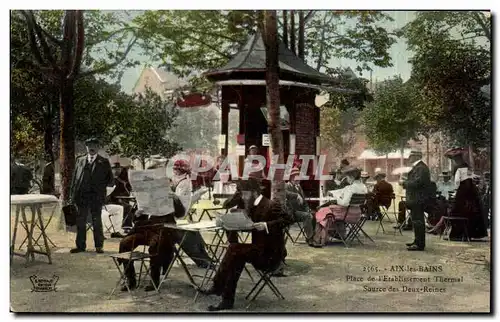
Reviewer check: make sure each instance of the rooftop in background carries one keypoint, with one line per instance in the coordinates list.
(160, 79)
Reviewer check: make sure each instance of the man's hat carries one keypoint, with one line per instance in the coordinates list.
(351, 171)
(91, 141)
(379, 174)
(116, 165)
(253, 147)
(365, 174)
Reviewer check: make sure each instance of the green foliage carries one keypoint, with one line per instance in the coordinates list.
(26, 143)
(452, 63)
(147, 131)
(356, 35)
(194, 40)
(357, 99)
(338, 129)
(390, 120)
(206, 39)
(197, 129)
(95, 110)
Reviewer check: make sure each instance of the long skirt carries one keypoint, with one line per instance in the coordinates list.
(468, 204)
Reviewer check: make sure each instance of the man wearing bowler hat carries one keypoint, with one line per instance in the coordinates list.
(91, 176)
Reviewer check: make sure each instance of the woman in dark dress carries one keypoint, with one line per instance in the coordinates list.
(466, 203)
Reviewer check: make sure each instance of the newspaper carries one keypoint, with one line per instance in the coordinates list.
(237, 220)
(152, 190)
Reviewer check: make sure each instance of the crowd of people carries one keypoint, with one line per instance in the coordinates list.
(428, 204)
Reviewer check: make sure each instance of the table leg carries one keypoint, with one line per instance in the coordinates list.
(29, 231)
(16, 223)
(44, 235)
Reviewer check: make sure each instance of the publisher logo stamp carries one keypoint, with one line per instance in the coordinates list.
(41, 284)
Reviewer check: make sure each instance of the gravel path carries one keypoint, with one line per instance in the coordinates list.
(319, 280)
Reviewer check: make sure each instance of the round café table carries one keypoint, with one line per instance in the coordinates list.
(35, 202)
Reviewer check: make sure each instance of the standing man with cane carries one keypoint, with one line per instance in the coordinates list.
(91, 176)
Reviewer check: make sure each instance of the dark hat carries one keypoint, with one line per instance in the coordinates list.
(351, 171)
(116, 165)
(91, 141)
(379, 175)
(344, 162)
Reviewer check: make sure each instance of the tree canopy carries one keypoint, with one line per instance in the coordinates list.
(451, 66)
(390, 120)
(147, 131)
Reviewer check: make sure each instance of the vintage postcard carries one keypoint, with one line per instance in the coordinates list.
(352, 147)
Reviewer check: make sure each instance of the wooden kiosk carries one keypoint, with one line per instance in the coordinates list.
(242, 82)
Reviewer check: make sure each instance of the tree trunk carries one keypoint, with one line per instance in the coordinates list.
(273, 98)
(143, 163)
(321, 44)
(285, 27)
(48, 178)
(67, 137)
(471, 157)
(301, 34)
(427, 138)
(402, 158)
(292, 31)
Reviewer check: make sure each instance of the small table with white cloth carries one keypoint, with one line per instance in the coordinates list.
(35, 202)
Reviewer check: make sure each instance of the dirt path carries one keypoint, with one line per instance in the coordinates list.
(317, 280)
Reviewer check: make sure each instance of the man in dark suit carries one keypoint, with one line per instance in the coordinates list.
(91, 176)
(419, 190)
(383, 191)
(267, 247)
(298, 206)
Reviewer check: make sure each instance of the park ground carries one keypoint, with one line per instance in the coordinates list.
(316, 279)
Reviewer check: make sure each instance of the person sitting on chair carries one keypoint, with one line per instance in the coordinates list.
(466, 204)
(193, 244)
(296, 203)
(267, 247)
(383, 192)
(122, 188)
(339, 207)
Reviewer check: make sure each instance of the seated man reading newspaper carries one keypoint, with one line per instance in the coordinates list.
(267, 247)
(148, 229)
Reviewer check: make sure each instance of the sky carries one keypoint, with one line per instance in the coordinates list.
(400, 56)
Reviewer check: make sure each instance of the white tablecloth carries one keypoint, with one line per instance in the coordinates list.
(32, 199)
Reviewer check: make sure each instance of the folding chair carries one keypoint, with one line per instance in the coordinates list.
(357, 200)
(195, 198)
(265, 279)
(135, 256)
(356, 228)
(301, 232)
(447, 227)
(131, 257)
(111, 227)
